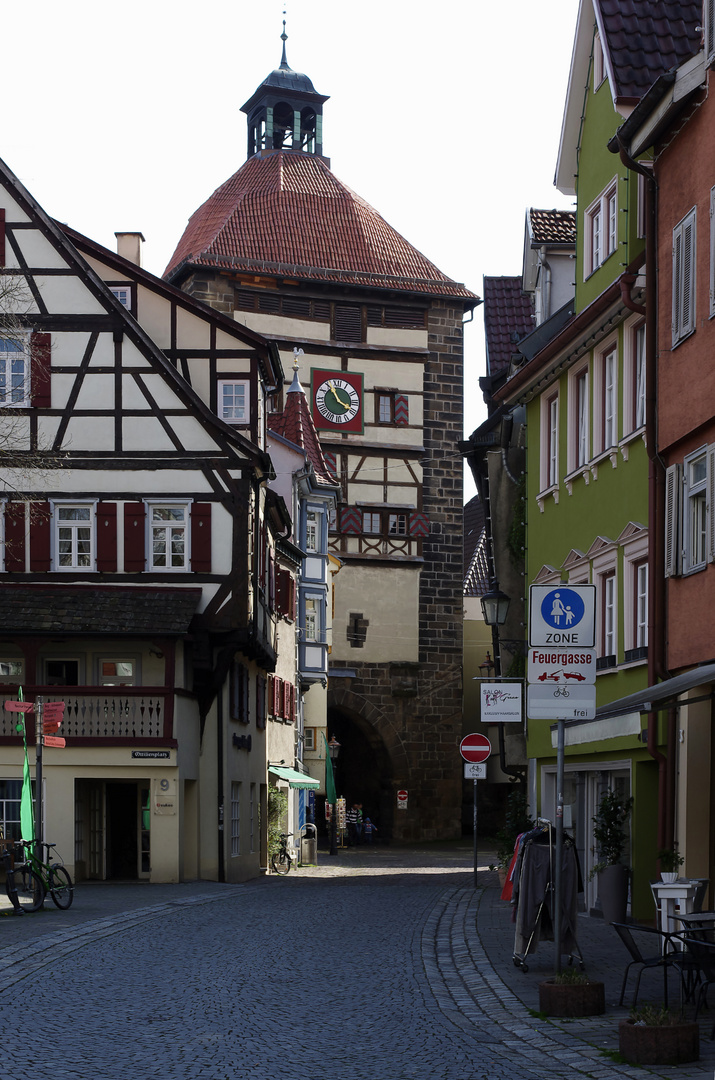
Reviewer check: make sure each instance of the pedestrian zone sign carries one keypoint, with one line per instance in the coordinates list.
(562, 615)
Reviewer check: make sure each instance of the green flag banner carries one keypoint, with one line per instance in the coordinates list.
(27, 823)
(329, 778)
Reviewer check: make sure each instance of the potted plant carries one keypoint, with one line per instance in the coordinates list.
(517, 821)
(571, 993)
(609, 834)
(670, 861)
(653, 1036)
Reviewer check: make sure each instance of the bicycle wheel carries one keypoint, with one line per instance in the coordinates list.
(61, 887)
(30, 889)
(281, 863)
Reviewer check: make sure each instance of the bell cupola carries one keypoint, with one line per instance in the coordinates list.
(285, 112)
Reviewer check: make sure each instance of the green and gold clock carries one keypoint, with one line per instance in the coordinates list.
(337, 400)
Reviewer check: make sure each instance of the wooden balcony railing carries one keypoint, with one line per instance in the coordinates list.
(99, 712)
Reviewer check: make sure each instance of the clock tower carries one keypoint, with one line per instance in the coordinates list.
(289, 250)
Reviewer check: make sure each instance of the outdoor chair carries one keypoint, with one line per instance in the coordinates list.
(702, 952)
(666, 956)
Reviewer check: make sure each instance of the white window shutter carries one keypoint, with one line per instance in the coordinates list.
(672, 519)
(710, 482)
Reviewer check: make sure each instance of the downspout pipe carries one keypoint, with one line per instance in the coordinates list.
(656, 522)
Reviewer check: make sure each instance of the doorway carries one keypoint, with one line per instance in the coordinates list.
(113, 830)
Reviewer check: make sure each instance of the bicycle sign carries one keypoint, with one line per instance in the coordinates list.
(560, 702)
(562, 615)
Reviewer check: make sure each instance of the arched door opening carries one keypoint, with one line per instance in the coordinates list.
(364, 770)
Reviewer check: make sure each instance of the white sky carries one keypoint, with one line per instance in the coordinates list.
(445, 117)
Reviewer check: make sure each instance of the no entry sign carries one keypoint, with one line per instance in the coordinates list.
(475, 747)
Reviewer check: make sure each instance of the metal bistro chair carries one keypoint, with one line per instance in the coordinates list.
(664, 958)
(702, 952)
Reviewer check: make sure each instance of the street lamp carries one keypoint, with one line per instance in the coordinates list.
(495, 605)
(334, 750)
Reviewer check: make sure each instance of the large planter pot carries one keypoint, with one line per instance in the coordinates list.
(572, 999)
(667, 1044)
(613, 892)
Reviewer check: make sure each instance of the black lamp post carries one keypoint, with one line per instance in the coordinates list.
(495, 605)
(334, 750)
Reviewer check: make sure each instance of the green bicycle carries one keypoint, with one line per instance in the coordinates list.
(53, 878)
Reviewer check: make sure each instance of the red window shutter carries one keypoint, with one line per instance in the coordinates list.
(293, 602)
(282, 591)
(201, 538)
(2, 237)
(291, 710)
(40, 360)
(40, 532)
(402, 410)
(134, 545)
(107, 538)
(285, 709)
(15, 537)
(277, 683)
(419, 524)
(350, 520)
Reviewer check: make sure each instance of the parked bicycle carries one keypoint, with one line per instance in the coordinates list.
(281, 861)
(54, 878)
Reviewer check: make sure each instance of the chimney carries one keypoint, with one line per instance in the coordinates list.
(129, 246)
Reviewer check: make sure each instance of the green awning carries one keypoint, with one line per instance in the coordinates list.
(295, 779)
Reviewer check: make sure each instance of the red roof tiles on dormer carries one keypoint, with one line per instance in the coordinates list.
(646, 38)
(286, 212)
(508, 317)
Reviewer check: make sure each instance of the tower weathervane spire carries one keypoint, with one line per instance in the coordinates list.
(284, 38)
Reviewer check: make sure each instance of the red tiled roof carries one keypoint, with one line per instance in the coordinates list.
(508, 318)
(646, 38)
(287, 213)
(296, 424)
(553, 226)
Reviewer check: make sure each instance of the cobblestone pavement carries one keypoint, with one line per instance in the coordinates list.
(378, 965)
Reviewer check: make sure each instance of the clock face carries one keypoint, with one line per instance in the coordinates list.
(337, 400)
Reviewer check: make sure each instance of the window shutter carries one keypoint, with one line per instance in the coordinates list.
(688, 308)
(107, 538)
(2, 237)
(672, 520)
(712, 248)
(711, 503)
(276, 703)
(350, 520)
(331, 460)
(134, 541)
(402, 410)
(281, 592)
(40, 537)
(40, 360)
(15, 537)
(709, 34)
(419, 524)
(201, 538)
(348, 322)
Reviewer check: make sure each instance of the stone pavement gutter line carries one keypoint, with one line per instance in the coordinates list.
(464, 950)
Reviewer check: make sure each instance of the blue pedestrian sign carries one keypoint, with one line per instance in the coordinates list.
(562, 615)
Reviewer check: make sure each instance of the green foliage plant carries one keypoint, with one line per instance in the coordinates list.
(277, 806)
(670, 860)
(517, 821)
(609, 830)
(653, 1016)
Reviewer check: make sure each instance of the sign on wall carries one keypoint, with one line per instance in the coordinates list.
(501, 703)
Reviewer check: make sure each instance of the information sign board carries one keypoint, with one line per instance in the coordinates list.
(549, 664)
(562, 615)
(560, 702)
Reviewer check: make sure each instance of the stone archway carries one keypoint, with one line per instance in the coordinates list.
(372, 763)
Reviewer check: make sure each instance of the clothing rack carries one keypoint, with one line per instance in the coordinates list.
(534, 895)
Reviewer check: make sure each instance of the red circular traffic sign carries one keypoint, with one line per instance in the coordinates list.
(475, 748)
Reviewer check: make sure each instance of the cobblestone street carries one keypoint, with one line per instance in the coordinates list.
(365, 968)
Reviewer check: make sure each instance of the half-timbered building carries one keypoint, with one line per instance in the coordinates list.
(286, 248)
(137, 581)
